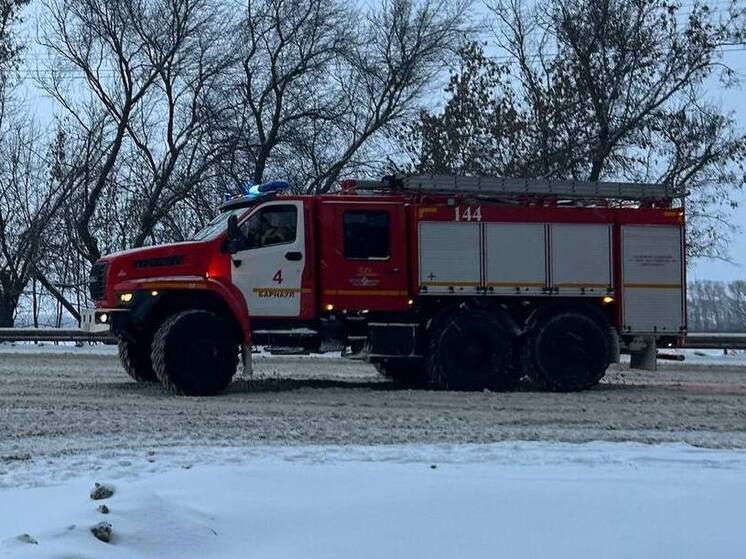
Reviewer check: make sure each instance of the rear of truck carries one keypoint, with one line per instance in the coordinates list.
(557, 289)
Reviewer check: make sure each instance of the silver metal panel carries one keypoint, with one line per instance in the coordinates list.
(651, 311)
(652, 279)
(581, 258)
(652, 254)
(449, 257)
(515, 257)
(566, 188)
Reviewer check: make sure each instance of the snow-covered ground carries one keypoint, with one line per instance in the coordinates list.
(208, 478)
(71, 348)
(697, 356)
(43, 348)
(499, 500)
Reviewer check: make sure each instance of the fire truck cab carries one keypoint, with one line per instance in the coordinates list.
(447, 282)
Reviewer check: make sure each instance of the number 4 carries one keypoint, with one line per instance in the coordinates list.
(277, 277)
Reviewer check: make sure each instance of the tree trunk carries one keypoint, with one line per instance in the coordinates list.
(8, 304)
(34, 304)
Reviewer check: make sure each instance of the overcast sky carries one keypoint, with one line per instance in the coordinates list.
(732, 100)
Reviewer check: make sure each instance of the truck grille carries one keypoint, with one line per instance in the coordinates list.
(97, 281)
(159, 262)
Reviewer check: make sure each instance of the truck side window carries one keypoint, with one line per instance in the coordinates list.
(366, 235)
(273, 225)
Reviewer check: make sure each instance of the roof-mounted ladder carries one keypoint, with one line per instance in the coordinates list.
(495, 186)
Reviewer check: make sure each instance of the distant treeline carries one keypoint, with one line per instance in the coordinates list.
(716, 306)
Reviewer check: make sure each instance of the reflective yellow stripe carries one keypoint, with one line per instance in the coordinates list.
(603, 285)
(381, 292)
(652, 285)
(450, 283)
(515, 284)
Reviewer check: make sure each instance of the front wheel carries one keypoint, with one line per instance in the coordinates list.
(135, 358)
(195, 353)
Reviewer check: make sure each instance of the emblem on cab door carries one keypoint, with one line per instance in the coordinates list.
(365, 277)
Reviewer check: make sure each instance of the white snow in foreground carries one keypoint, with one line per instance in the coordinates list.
(508, 500)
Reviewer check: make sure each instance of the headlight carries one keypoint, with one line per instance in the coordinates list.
(125, 297)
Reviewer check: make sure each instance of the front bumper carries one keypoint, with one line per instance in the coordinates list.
(98, 320)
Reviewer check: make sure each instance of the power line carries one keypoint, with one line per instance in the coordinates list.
(74, 73)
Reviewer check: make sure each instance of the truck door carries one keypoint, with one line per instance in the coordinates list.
(269, 269)
(364, 256)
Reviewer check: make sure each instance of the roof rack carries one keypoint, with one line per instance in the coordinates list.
(452, 184)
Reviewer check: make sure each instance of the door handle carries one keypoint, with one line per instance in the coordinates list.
(392, 271)
(294, 256)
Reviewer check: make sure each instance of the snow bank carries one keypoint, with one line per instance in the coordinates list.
(502, 500)
(710, 356)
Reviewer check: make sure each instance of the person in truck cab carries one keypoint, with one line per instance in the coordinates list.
(269, 228)
(277, 234)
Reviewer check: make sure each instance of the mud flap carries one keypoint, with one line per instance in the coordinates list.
(248, 369)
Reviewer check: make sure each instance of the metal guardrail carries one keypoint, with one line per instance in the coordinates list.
(694, 340)
(697, 340)
(53, 335)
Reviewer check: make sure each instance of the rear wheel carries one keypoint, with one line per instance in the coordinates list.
(195, 353)
(469, 349)
(567, 351)
(135, 358)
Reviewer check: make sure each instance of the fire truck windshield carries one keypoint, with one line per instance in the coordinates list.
(216, 226)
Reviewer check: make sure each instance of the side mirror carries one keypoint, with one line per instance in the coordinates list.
(234, 241)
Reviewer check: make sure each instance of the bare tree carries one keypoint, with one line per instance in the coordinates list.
(287, 49)
(717, 306)
(149, 68)
(401, 49)
(28, 204)
(10, 47)
(322, 82)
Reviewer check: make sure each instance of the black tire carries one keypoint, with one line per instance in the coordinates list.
(195, 353)
(135, 358)
(469, 349)
(409, 373)
(566, 351)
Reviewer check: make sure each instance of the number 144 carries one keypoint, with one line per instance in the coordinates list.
(468, 214)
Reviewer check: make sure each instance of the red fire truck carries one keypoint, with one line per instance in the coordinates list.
(460, 283)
